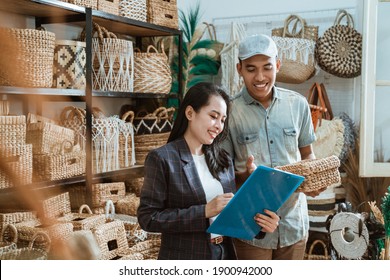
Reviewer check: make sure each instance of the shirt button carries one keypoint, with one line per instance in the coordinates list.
(271, 141)
(246, 138)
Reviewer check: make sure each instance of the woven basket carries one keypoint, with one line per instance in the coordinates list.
(69, 64)
(19, 160)
(108, 6)
(83, 221)
(126, 141)
(160, 121)
(318, 173)
(12, 217)
(34, 58)
(6, 246)
(83, 3)
(147, 142)
(134, 9)
(112, 61)
(128, 205)
(312, 256)
(134, 185)
(152, 73)
(46, 137)
(309, 32)
(162, 12)
(29, 253)
(148, 248)
(56, 206)
(101, 193)
(12, 130)
(69, 162)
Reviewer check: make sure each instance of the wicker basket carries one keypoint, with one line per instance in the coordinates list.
(69, 64)
(83, 221)
(162, 12)
(34, 58)
(11, 217)
(311, 254)
(29, 253)
(12, 130)
(152, 73)
(19, 160)
(67, 163)
(46, 137)
(108, 6)
(134, 185)
(134, 9)
(112, 61)
(83, 3)
(318, 173)
(6, 246)
(128, 205)
(147, 142)
(101, 193)
(160, 121)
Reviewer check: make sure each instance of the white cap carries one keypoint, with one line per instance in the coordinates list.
(257, 44)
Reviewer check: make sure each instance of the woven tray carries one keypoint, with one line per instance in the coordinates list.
(318, 173)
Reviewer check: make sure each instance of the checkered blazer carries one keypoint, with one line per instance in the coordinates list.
(173, 202)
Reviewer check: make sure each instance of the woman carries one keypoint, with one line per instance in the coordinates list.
(190, 180)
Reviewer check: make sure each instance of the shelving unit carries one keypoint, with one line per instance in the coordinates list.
(53, 11)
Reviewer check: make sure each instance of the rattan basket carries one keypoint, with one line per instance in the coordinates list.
(19, 160)
(108, 6)
(128, 205)
(318, 173)
(5, 245)
(12, 130)
(34, 58)
(311, 255)
(162, 12)
(134, 9)
(103, 192)
(83, 221)
(147, 142)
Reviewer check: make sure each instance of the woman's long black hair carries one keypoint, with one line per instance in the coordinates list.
(197, 97)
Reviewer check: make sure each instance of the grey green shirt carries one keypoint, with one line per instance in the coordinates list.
(273, 136)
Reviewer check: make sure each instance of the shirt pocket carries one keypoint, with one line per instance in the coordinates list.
(290, 139)
(249, 144)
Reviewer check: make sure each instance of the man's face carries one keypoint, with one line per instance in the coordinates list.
(259, 74)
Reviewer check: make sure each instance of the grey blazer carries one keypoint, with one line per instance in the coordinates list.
(173, 202)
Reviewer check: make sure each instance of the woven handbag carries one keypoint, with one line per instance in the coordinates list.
(152, 73)
(309, 32)
(339, 50)
(296, 55)
(318, 173)
(319, 104)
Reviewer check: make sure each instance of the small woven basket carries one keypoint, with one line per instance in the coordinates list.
(128, 205)
(162, 12)
(134, 9)
(108, 6)
(152, 73)
(147, 142)
(318, 173)
(12, 130)
(34, 58)
(83, 221)
(29, 253)
(5, 245)
(103, 192)
(311, 254)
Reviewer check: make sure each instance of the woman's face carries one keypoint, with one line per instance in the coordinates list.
(205, 125)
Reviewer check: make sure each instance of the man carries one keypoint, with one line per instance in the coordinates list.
(270, 126)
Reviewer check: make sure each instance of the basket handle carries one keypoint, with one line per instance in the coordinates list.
(13, 230)
(294, 32)
(151, 47)
(110, 210)
(44, 235)
(315, 94)
(340, 15)
(211, 29)
(315, 242)
(128, 114)
(85, 207)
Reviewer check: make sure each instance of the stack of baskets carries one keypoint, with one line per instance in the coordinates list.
(16, 156)
(55, 156)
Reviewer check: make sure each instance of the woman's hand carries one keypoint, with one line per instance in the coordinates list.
(215, 206)
(268, 222)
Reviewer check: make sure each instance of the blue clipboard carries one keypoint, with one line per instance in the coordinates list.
(265, 188)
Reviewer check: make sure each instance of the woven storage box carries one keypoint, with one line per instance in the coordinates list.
(101, 193)
(7, 218)
(318, 173)
(48, 138)
(29, 253)
(128, 205)
(69, 64)
(134, 9)
(56, 206)
(148, 248)
(19, 160)
(12, 130)
(145, 143)
(111, 238)
(163, 12)
(34, 58)
(83, 221)
(108, 6)
(63, 165)
(134, 185)
(83, 3)
(152, 73)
